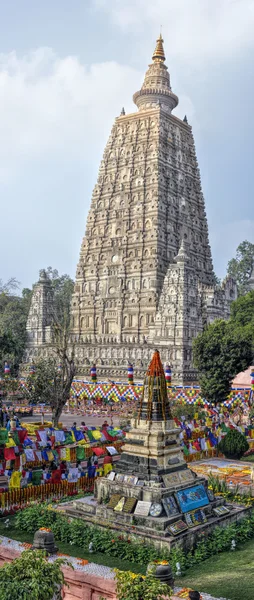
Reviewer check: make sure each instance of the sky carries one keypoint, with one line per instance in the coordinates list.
(66, 71)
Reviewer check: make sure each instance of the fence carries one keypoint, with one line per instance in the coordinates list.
(20, 497)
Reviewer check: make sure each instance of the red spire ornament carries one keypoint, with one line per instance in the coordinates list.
(154, 405)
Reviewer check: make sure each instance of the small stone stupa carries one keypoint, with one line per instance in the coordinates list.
(151, 488)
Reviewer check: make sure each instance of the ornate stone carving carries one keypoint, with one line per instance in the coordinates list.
(145, 274)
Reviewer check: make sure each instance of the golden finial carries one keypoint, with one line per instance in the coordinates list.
(158, 54)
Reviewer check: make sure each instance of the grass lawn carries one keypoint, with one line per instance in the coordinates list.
(249, 458)
(228, 575)
(77, 551)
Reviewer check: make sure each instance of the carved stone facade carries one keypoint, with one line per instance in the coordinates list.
(130, 294)
(39, 322)
(145, 274)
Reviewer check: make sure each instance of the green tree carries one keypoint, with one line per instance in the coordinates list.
(220, 352)
(242, 312)
(241, 266)
(13, 316)
(234, 444)
(179, 409)
(31, 576)
(63, 287)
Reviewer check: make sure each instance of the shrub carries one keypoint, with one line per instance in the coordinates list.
(234, 444)
(31, 576)
(135, 587)
(129, 547)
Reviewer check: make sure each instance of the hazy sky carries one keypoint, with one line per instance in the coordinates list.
(66, 70)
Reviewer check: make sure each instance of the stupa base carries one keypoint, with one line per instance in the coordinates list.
(153, 530)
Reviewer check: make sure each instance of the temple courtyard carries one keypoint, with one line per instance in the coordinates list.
(228, 575)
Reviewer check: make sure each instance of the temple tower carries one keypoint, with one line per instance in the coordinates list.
(40, 317)
(146, 206)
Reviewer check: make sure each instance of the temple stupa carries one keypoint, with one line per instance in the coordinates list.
(151, 488)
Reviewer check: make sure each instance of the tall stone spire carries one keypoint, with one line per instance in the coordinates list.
(138, 285)
(156, 89)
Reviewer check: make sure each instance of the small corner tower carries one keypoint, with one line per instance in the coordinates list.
(40, 317)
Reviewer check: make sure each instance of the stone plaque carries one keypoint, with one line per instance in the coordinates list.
(114, 500)
(220, 511)
(143, 508)
(129, 505)
(120, 505)
(111, 450)
(192, 498)
(177, 527)
(170, 506)
(185, 476)
(111, 476)
(119, 477)
(130, 479)
(195, 517)
(171, 479)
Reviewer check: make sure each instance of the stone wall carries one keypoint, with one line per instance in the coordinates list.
(80, 586)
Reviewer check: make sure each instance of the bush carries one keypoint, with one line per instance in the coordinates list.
(133, 587)
(129, 547)
(31, 576)
(234, 444)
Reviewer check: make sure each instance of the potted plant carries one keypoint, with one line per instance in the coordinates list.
(161, 570)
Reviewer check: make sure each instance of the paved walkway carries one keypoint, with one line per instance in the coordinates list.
(91, 568)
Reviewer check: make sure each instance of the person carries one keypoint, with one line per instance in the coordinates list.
(105, 424)
(5, 417)
(74, 426)
(17, 421)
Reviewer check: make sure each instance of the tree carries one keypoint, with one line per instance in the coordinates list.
(51, 382)
(63, 287)
(233, 445)
(220, 352)
(31, 576)
(242, 312)
(9, 287)
(13, 316)
(240, 268)
(179, 410)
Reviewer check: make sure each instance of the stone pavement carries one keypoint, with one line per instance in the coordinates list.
(92, 573)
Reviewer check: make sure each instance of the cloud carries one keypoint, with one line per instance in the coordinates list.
(57, 106)
(194, 30)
